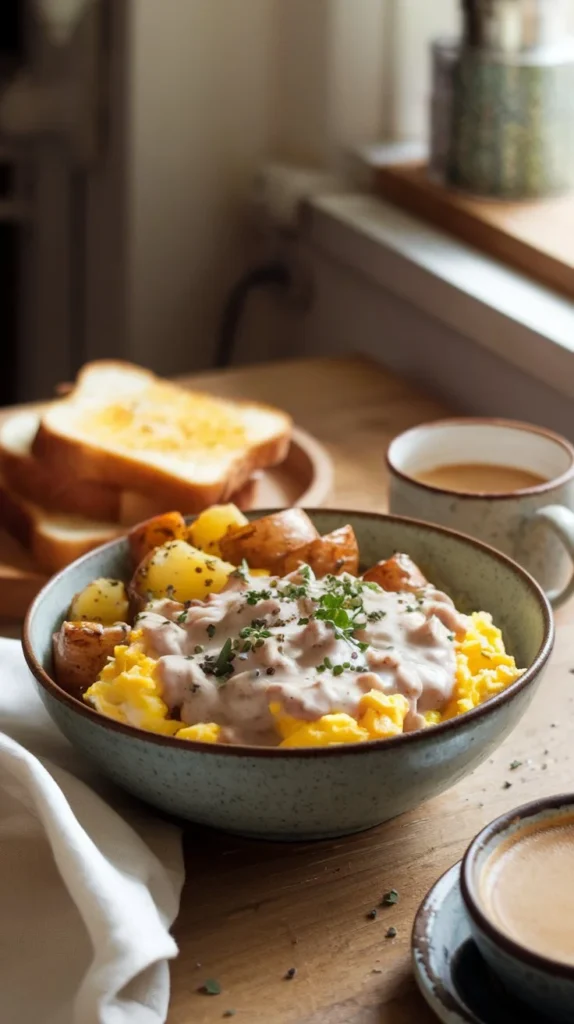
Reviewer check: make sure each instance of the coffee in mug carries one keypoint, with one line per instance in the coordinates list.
(509, 484)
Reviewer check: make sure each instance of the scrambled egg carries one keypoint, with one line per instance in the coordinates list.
(129, 691)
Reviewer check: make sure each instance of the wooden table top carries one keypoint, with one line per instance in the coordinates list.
(250, 910)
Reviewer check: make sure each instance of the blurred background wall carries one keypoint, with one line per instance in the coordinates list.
(134, 253)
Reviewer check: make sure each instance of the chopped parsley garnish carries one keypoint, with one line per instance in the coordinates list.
(372, 914)
(256, 632)
(292, 592)
(303, 622)
(210, 630)
(223, 664)
(181, 618)
(451, 636)
(514, 765)
(390, 898)
(241, 573)
(255, 596)
(211, 987)
(375, 616)
(170, 590)
(198, 649)
(391, 933)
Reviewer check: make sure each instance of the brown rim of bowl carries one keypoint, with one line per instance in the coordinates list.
(444, 728)
(548, 485)
(471, 900)
(420, 948)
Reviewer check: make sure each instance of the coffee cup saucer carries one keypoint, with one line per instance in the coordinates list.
(450, 972)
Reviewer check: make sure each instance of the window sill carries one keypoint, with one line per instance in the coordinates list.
(524, 323)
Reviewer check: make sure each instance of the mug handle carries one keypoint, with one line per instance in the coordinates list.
(561, 522)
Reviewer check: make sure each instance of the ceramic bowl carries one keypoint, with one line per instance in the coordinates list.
(312, 793)
(543, 984)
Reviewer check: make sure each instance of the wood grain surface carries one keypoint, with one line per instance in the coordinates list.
(535, 237)
(251, 911)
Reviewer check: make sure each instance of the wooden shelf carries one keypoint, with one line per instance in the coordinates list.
(534, 237)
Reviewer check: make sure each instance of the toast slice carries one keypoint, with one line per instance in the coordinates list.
(124, 426)
(53, 539)
(135, 507)
(40, 483)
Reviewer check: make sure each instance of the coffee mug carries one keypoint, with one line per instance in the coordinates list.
(532, 524)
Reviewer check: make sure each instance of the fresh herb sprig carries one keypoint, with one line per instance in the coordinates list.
(343, 610)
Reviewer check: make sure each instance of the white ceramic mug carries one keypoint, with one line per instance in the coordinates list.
(535, 526)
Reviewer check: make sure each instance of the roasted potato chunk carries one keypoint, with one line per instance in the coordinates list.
(103, 600)
(179, 571)
(210, 526)
(264, 543)
(154, 533)
(333, 554)
(397, 574)
(80, 651)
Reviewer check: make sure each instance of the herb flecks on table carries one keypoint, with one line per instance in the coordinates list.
(211, 987)
(390, 898)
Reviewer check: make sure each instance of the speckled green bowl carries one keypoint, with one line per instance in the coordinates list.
(334, 791)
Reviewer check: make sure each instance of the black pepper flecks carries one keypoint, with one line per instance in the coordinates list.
(290, 974)
(506, 785)
(371, 915)
(391, 933)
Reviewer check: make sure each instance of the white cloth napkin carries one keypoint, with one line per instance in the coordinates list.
(88, 891)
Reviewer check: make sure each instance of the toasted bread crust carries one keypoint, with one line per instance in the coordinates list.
(75, 457)
(39, 483)
(136, 507)
(28, 524)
